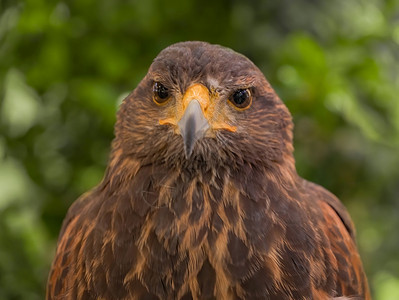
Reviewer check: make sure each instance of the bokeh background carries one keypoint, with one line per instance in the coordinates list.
(66, 66)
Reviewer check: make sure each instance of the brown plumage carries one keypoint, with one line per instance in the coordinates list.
(201, 199)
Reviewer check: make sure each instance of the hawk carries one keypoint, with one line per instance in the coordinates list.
(201, 198)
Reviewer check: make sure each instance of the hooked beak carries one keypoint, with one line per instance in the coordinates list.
(194, 115)
(193, 126)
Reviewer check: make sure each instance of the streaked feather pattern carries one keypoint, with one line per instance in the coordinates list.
(234, 221)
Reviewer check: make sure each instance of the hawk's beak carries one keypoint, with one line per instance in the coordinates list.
(195, 114)
(192, 126)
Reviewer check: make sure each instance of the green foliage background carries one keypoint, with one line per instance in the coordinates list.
(66, 66)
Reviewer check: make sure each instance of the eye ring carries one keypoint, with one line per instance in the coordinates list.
(161, 93)
(241, 99)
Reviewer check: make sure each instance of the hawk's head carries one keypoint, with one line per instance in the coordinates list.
(204, 102)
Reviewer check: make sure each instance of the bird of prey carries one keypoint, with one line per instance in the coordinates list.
(201, 198)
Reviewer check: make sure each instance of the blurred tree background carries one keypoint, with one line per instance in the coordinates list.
(65, 66)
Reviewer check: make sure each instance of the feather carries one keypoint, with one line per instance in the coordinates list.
(229, 219)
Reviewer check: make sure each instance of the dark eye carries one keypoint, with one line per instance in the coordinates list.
(161, 93)
(241, 98)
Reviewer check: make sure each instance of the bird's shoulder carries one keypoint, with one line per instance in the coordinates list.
(330, 205)
(61, 278)
(337, 226)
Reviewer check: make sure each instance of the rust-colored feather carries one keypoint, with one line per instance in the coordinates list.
(231, 221)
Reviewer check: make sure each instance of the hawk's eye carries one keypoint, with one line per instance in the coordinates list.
(241, 98)
(161, 93)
